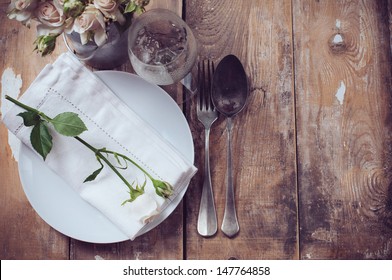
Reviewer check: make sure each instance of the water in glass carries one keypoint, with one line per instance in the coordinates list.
(162, 48)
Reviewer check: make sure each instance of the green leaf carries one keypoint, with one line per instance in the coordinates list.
(95, 173)
(68, 124)
(41, 140)
(45, 44)
(30, 118)
(139, 10)
(131, 7)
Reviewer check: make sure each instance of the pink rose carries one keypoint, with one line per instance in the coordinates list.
(106, 5)
(48, 14)
(91, 20)
(23, 4)
(22, 10)
(109, 9)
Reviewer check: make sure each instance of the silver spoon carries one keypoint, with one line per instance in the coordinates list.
(229, 95)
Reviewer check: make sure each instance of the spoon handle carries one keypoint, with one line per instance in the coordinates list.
(230, 225)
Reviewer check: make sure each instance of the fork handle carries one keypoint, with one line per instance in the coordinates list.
(207, 223)
(230, 225)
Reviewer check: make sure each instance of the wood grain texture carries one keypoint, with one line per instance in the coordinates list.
(23, 234)
(343, 86)
(263, 135)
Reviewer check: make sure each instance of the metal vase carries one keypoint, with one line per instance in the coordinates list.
(110, 55)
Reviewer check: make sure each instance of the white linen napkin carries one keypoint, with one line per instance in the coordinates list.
(68, 86)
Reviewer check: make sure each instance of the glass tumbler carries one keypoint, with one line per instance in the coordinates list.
(161, 47)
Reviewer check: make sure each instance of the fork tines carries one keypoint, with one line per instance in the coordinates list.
(205, 74)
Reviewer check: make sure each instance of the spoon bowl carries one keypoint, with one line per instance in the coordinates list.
(229, 95)
(230, 86)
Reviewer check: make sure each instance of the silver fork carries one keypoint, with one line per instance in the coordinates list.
(207, 114)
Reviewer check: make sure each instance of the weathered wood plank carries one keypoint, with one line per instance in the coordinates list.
(260, 34)
(343, 86)
(23, 234)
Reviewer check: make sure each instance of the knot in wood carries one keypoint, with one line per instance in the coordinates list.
(337, 43)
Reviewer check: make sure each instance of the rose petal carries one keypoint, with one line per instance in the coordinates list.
(100, 37)
(83, 38)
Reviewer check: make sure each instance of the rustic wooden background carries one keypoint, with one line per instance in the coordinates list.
(312, 150)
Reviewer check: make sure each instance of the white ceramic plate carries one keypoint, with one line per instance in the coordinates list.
(61, 207)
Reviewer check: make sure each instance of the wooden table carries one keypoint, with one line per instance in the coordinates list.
(312, 150)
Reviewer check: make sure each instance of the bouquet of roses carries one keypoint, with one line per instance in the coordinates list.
(89, 18)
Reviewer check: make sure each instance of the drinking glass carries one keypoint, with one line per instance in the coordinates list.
(162, 48)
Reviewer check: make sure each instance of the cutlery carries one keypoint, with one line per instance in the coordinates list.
(229, 95)
(207, 115)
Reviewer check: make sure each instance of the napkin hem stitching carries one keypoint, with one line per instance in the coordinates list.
(103, 130)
